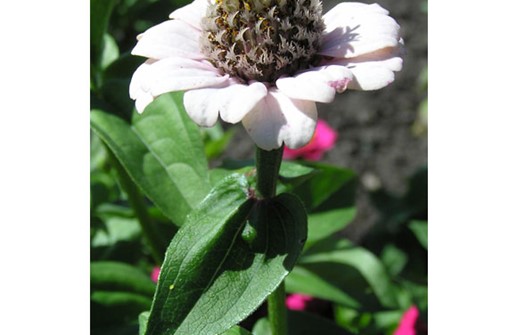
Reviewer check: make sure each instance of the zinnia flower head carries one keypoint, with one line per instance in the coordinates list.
(323, 140)
(266, 63)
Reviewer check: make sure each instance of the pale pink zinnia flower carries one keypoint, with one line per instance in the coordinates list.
(266, 62)
(323, 140)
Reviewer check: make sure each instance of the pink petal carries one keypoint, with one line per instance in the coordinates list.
(354, 29)
(297, 302)
(407, 323)
(326, 136)
(155, 274)
(323, 140)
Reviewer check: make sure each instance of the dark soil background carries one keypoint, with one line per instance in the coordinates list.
(382, 134)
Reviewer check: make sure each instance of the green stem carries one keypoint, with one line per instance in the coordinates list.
(137, 202)
(277, 312)
(268, 166)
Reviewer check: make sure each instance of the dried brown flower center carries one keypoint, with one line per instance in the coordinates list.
(262, 39)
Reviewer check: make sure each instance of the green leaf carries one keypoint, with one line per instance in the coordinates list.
(110, 51)
(117, 229)
(290, 171)
(142, 322)
(116, 308)
(216, 140)
(324, 224)
(329, 187)
(419, 228)
(327, 191)
(394, 259)
(356, 271)
(301, 323)
(162, 152)
(100, 12)
(236, 330)
(301, 280)
(212, 277)
(115, 276)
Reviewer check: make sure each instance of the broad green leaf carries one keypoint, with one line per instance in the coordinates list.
(100, 11)
(329, 187)
(115, 276)
(214, 275)
(328, 193)
(162, 152)
(356, 271)
(419, 228)
(301, 280)
(324, 224)
(218, 174)
(301, 323)
(290, 171)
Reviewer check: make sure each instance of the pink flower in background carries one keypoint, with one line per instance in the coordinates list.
(323, 140)
(155, 273)
(297, 302)
(408, 322)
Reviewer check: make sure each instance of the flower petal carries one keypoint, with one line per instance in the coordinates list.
(354, 29)
(318, 84)
(232, 103)
(277, 119)
(202, 106)
(171, 38)
(373, 71)
(192, 13)
(238, 100)
(138, 90)
(169, 75)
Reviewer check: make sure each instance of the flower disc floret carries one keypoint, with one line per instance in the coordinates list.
(262, 40)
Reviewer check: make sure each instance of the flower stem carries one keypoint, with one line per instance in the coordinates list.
(137, 202)
(277, 312)
(268, 166)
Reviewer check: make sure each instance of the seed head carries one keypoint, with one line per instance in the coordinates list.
(262, 40)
